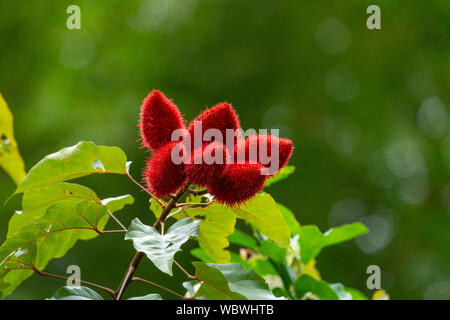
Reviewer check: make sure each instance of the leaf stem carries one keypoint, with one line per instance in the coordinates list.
(144, 189)
(137, 279)
(57, 276)
(113, 231)
(117, 220)
(174, 213)
(188, 275)
(186, 204)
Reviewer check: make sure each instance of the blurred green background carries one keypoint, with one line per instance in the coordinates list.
(367, 111)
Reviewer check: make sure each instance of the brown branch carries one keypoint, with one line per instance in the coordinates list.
(174, 213)
(188, 275)
(139, 255)
(57, 276)
(117, 220)
(113, 231)
(145, 189)
(189, 204)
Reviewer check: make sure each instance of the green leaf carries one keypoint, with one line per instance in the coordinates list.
(151, 296)
(312, 241)
(46, 237)
(236, 258)
(217, 225)
(230, 281)
(117, 203)
(282, 174)
(10, 158)
(261, 266)
(200, 254)
(263, 213)
(161, 249)
(214, 284)
(156, 208)
(244, 240)
(344, 233)
(36, 201)
(305, 286)
(273, 251)
(76, 293)
(80, 160)
(290, 219)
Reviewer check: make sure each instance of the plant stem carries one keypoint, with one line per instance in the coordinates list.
(145, 189)
(57, 276)
(157, 285)
(117, 220)
(197, 192)
(190, 277)
(113, 231)
(193, 204)
(139, 255)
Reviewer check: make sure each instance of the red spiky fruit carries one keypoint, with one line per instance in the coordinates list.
(162, 175)
(159, 118)
(252, 146)
(221, 117)
(207, 164)
(238, 183)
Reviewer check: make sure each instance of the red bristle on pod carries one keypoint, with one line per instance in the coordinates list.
(207, 164)
(221, 117)
(238, 183)
(162, 175)
(159, 118)
(251, 147)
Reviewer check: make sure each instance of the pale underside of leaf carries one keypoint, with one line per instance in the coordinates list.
(230, 281)
(161, 249)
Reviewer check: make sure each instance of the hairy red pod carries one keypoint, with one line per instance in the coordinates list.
(221, 117)
(238, 183)
(162, 175)
(207, 164)
(253, 146)
(229, 183)
(159, 118)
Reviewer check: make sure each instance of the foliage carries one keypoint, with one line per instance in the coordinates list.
(10, 158)
(362, 146)
(275, 260)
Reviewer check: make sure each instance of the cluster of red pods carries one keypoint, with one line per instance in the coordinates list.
(229, 181)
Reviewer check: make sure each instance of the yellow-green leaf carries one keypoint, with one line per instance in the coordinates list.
(263, 213)
(36, 201)
(281, 175)
(10, 158)
(217, 225)
(80, 160)
(46, 237)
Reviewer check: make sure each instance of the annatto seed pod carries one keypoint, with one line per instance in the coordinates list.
(252, 145)
(207, 164)
(162, 176)
(159, 118)
(238, 183)
(221, 117)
